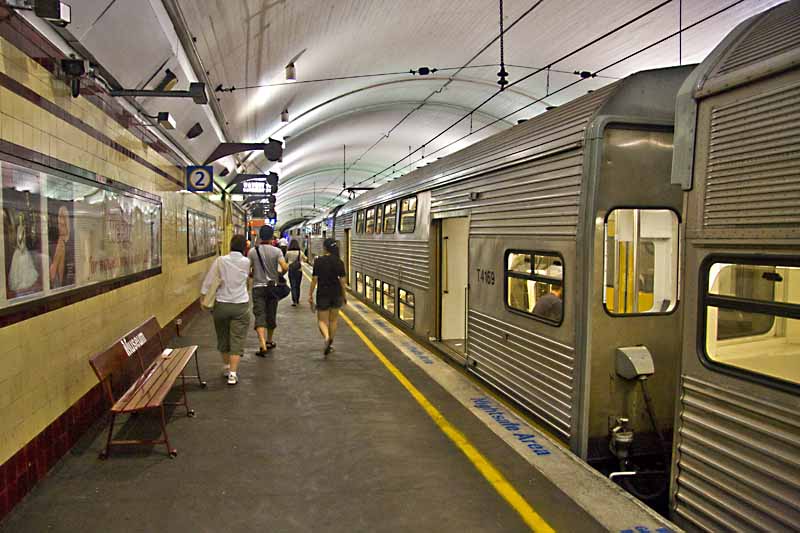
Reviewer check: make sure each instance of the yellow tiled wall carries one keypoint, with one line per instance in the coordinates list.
(44, 365)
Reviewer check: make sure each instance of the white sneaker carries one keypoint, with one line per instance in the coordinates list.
(226, 369)
(233, 379)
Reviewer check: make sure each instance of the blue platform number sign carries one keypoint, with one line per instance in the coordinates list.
(199, 179)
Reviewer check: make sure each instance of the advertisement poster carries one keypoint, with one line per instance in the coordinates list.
(22, 231)
(61, 232)
(201, 233)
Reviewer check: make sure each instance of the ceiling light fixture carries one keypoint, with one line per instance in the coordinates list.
(164, 119)
(169, 81)
(291, 72)
(194, 131)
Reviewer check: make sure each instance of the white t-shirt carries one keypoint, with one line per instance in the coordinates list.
(234, 269)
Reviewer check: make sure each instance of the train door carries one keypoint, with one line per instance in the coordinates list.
(348, 258)
(453, 286)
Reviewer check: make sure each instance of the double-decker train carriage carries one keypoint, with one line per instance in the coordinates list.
(545, 259)
(736, 457)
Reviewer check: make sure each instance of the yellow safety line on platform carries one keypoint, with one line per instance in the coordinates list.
(484, 466)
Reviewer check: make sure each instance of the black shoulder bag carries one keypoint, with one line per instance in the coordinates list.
(279, 289)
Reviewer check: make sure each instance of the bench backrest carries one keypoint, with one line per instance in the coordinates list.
(119, 365)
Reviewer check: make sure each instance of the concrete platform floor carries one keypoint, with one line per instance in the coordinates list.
(300, 444)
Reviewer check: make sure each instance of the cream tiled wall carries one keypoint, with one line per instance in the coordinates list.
(44, 361)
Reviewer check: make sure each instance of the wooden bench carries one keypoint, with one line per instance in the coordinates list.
(137, 372)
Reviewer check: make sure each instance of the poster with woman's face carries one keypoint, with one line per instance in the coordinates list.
(61, 232)
(22, 230)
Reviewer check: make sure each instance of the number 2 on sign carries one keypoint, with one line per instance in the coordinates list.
(486, 276)
(199, 179)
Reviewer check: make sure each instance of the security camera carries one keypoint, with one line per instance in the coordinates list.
(53, 11)
(75, 69)
(166, 121)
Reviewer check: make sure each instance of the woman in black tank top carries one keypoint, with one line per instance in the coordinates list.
(329, 280)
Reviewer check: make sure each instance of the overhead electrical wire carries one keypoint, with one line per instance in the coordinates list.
(610, 65)
(528, 76)
(597, 72)
(444, 86)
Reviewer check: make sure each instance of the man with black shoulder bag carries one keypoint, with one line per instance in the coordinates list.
(269, 286)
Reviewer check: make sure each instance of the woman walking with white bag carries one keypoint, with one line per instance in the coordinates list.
(226, 281)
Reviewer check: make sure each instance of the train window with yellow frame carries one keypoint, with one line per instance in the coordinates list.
(369, 224)
(406, 306)
(368, 288)
(388, 297)
(360, 221)
(640, 258)
(751, 310)
(390, 217)
(408, 214)
(378, 293)
(378, 219)
(359, 283)
(534, 284)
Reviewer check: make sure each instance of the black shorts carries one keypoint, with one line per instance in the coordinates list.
(265, 308)
(326, 300)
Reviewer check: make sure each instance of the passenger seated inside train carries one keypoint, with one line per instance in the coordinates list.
(535, 284)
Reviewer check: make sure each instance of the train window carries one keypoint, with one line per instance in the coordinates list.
(359, 283)
(389, 217)
(378, 219)
(388, 297)
(378, 292)
(408, 214)
(368, 294)
(752, 317)
(534, 284)
(369, 224)
(360, 222)
(641, 261)
(406, 307)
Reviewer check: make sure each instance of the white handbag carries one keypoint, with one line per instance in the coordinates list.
(207, 300)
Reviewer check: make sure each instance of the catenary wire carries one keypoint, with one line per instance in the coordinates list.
(526, 77)
(610, 65)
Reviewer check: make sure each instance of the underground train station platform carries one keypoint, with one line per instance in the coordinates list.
(380, 436)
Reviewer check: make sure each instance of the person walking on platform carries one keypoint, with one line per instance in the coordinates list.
(267, 264)
(230, 312)
(329, 280)
(295, 257)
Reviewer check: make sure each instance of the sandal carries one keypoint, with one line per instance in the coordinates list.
(271, 345)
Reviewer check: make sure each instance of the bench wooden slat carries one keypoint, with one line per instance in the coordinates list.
(149, 391)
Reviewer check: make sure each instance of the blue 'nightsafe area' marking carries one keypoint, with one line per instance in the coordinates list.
(410, 346)
(643, 529)
(486, 405)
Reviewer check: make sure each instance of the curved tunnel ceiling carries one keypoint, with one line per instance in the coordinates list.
(249, 43)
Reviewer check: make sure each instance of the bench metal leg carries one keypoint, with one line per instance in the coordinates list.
(203, 384)
(185, 402)
(172, 451)
(105, 453)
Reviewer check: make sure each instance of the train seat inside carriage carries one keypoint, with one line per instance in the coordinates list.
(761, 342)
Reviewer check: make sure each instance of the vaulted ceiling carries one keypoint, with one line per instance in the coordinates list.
(356, 128)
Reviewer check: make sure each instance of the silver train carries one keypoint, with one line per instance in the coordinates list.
(626, 268)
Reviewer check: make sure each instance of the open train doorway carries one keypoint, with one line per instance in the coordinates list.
(453, 286)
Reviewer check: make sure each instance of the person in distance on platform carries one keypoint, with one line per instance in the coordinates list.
(267, 265)
(329, 280)
(283, 244)
(231, 316)
(295, 257)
